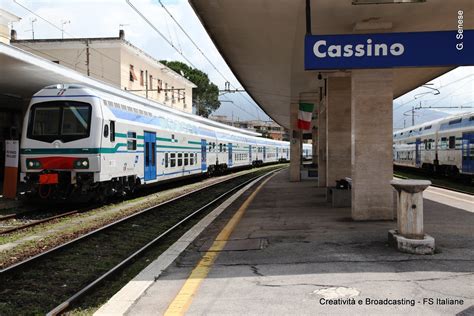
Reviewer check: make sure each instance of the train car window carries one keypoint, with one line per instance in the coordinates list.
(471, 118)
(427, 127)
(172, 160)
(225, 148)
(131, 140)
(191, 159)
(213, 145)
(106, 130)
(444, 141)
(452, 142)
(112, 131)
(456, 121)
(220, 147)
(153, 154)
(180, 159)
(186, 159)
(166, 160)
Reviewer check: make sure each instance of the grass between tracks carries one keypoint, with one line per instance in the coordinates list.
(20, 245)
(39, 287)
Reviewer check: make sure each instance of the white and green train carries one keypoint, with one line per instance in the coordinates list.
(444, 146)
(82, 141)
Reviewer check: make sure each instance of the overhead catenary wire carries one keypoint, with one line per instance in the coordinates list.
(60, 29)
(203, 54)
(174, 47)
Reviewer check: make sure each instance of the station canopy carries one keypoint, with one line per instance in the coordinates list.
(23, 74)
(262, 41)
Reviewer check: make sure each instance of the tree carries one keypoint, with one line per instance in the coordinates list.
(206, 95)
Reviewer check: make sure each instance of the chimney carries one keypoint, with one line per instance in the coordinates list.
(13, 35)
(122, 34)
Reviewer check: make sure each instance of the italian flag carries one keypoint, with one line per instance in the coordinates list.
(305, 114)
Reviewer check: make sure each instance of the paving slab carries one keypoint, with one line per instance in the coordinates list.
(316, 260)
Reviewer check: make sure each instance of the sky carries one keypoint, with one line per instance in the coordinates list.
(104, 18)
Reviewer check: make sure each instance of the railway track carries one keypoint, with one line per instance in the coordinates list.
(450, 188)
(101, 253)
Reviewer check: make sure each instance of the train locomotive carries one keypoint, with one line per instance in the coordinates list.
(80, 141)
(444, 146)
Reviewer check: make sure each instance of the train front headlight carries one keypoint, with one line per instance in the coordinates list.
(33, 164)
(81, 163)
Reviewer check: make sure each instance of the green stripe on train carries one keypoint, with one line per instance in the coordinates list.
(69, 151)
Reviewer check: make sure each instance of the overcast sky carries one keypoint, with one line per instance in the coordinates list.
(102, 18)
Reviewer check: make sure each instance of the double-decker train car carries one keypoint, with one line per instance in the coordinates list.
(82, 141)
(445, 145)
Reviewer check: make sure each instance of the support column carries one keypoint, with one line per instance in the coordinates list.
(338, 118)
(372, 165)
(295, 144)
(322, 144)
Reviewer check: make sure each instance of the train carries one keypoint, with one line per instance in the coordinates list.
(444, 146)
(82, 141)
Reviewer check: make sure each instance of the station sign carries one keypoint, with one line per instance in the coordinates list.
(387, 50)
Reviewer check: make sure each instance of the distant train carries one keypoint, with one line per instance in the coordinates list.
(443, 146)
(81, 141)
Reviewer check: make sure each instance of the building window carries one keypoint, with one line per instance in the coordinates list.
(142, 78)
(160, 85)
(172, 94)
(184, 99)
(133, 77)
(150, 83)
(166, 92)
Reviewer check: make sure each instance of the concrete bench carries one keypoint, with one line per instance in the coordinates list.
(339, 197)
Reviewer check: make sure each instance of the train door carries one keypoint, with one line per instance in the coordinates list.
(418, 152)
(264, 153)
(468, 152)
(150, 156)
(230, 155)
(250, 154)
(203, 155)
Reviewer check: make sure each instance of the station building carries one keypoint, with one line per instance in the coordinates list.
(29, 65)
(116, 61)
(347, 58)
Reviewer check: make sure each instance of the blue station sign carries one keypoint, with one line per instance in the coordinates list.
(387, 50)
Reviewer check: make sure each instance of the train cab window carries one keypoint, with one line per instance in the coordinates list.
(452, 142)
(186, 159)
(180, 159)
(166, 160)
(172, 160)
(59, 120)
(112, 131)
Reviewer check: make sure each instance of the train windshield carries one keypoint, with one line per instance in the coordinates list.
(59, 120)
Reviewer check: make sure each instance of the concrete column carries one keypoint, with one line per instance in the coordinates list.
(295, 144)
(338, 129)
(322, 144)
(372, 166)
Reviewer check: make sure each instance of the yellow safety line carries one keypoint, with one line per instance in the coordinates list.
(183, 300)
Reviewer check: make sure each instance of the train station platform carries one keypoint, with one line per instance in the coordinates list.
(291, 253)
